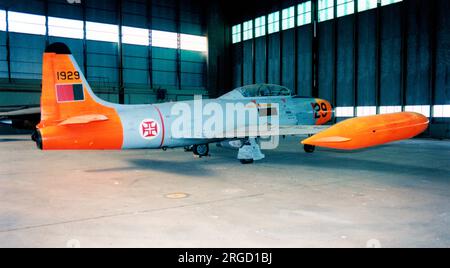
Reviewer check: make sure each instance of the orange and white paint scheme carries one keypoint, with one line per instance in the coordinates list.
(74, 118)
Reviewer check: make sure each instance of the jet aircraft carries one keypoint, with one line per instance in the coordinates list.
(73, 118)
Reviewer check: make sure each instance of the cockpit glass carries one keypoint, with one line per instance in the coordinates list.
(259, 90)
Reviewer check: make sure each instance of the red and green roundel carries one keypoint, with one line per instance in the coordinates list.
(69, 92)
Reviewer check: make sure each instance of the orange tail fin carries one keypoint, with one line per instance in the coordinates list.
(72, 117)
(65, 92)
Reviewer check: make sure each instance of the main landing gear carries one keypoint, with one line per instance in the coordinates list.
(201, 150)
(250, 152)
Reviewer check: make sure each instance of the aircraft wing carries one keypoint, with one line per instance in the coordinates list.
(21, 112)
(268, 130)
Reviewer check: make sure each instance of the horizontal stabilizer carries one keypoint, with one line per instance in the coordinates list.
(84, 119)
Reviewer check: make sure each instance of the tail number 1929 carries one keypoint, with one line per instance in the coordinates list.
(68, 75)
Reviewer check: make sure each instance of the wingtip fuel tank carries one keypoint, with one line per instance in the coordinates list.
(368, 131)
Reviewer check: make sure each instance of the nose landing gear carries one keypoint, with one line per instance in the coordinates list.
(309, 148)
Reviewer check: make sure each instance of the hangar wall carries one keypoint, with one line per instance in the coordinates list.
(392, 56)
(118, 71)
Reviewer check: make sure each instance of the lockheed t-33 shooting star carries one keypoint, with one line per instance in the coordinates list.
(73, 118)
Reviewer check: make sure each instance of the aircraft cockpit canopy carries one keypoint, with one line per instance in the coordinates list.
(258, 90)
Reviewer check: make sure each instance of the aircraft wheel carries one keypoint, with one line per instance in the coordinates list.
(246, 161)
(201, 150)
(34, 136)
(309, 148)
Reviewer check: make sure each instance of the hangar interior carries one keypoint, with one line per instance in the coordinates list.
(365, 56)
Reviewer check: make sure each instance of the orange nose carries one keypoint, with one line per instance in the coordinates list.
(323, 112)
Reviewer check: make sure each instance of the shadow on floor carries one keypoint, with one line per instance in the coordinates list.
(194, 167)
(350, 161)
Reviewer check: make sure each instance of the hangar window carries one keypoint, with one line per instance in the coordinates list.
(248, 30)
(421, 109)
(260, 26)
(236, 33)
(164, 39)
(390, 109)
(194, 42)
(364, 5)
(102, 32)
(65, 28)
(26, 23)
(288, 18)
(344, 111)
(326, 10)
(441, 111)
(388, 2)
(135, 36)
(366, 110)
(274, 22)
(2, 20)
(345, 7)
(304, 13)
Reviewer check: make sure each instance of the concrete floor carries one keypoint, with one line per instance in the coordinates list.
(391, 196)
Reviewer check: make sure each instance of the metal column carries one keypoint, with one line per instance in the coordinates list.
(378, 58)
(120, 54)
(83, 6)
(315, 54)
(335, 52)
(253, 53)
(150, 41)
(296, 50)
(433, 52)
(266, 52)
(280, 48)
(404, 53)
(8, 47)
(178, 26)
(47, 41)
(355, 56)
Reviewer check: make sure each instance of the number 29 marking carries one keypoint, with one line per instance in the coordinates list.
(320, 110)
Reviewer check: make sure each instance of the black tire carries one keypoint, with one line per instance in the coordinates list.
(201, 150)
(34, 136)
(246, 161)
(309, 148)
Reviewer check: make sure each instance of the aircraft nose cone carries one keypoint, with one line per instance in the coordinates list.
(323, 111)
